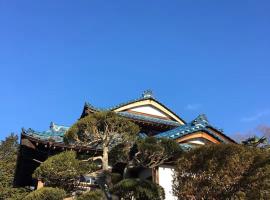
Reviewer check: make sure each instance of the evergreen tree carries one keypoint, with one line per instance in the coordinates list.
(63, 171)
(104, 129)
(223, 172)
(136, 189)
(46, 193)
(8, 158)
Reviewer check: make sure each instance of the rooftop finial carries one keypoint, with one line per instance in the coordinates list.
(148, 94)
(52, 125)
(201, 119)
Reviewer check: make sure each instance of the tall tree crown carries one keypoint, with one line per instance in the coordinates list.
(106, 128)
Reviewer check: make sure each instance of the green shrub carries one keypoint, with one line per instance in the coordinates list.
(223, 171)
(8, 193)
(128, 189)
(92, 195)
(62, 171)
(116, 177)
(46, 193)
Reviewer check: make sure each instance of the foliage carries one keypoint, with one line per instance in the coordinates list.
(92, 195)
(106, 129)
(120, 153)
(116, 177)
(9, 193)
(62, 170)
(259, 137)
(46, 193)
(255, 141)
(152, 152)
(264, 130)
(101, 127)
(136, 189)
(8, 158)
(223, 172)
(256, 182)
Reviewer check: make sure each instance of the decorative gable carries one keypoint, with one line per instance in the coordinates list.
(149, 110)
(149, 107)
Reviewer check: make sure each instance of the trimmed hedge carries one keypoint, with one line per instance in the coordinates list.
(46, 193)
(138, 189)
(92, 195)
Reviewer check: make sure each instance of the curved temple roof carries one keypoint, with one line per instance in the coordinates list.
(146, 97)
(201, 123)
(55, 133)
(179, 128)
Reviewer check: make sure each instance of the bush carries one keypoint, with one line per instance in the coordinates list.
(223, 172)
(62, 170)
(129, 189)
(46, 193)
(153, 152)
(92, 195)
(8, 193)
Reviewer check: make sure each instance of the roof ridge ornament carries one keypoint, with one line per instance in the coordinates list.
(148, 94)
(52, 125)
(201, 119)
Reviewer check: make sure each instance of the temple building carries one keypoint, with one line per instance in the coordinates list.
(153, 118)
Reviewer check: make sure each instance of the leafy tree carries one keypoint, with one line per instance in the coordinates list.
(255, 141)
(255, 184)
(259, 137)
(264, 130)
(152, 152)
(136, 189)
(147, 152)
(104, 129)
(62, 170)
(8, 158)
(93, 195)
(46, 193)
(223, 172)
(121, 153)
(9, 193)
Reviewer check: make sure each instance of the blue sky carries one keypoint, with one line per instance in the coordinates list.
(209, 57)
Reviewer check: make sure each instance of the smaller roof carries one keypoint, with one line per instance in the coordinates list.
(201, 123)
(55, 133)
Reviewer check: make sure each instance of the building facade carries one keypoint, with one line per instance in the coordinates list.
(153, 118)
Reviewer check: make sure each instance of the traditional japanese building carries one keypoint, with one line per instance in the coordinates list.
(153, 118)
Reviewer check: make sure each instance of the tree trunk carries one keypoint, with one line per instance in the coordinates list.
(105, 159)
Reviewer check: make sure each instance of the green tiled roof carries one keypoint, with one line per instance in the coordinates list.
(199, 124)
(55, 133)
(147, 95)
(149, 119)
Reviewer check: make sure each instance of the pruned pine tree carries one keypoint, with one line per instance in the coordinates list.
(136, 189)
(63, 171)
(152, 152)
(104, 130)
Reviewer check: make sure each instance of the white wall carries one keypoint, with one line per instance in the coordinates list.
(165, 173)
(149, 110)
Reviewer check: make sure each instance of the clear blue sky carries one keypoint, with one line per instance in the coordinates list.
(208, 57)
